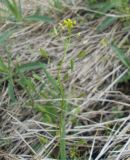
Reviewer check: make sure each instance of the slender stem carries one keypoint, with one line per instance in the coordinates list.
(63, 106)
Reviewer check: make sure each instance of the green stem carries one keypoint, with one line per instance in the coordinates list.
(63, 106)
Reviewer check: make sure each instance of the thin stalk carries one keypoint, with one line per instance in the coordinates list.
(63, 106)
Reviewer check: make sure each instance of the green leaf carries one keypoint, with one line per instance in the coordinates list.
(121, 55)
(44, 53)
(51, 79)
(37, 18)
(11, 92)
(104, 6)
(36, 65)
(66, 76)
(125, 78)
(105, 23)
(28, 67)
(14, 8)
(3, 67)
(20, 8)
(58, 4)
(48, 112)
(37, 77)
(4, 36)
(72, 64)
(10, 5)
(27, 84)
(82, 54)
(43, 140)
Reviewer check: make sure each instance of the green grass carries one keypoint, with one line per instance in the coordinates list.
(12, 11)
(112, 11)
(124, 60)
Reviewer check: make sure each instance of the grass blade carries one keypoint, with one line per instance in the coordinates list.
(14, 9)
(4, 36)
(125, 78)
(51, 79)
(3, 67)
(11, 91)
(121, 55)
(37, 18)
(106, 23)
(36, 65)
(28, 67)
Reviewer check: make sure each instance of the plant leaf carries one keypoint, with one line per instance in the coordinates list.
(104, 6)
(51, 79)
(4, 36)
(11, 91)
(105, 23)
(28, 67)
(36, 65)
(125, 78)
(37, 18)
(3, 67)
(121, 55)
(44, 53)
(82, 54)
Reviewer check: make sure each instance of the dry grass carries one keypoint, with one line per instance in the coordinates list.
(98, 124)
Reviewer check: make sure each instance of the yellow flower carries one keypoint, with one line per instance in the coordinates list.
(69, 24)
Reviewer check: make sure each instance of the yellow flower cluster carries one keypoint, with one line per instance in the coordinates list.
(68, 24)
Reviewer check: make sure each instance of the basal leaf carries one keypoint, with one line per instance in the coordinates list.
(4, 36)
(11, 92)
(121, 55)
(106, 23)
(29, 67)
(37, 18)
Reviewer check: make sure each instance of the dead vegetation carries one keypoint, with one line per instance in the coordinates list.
(97, 122)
